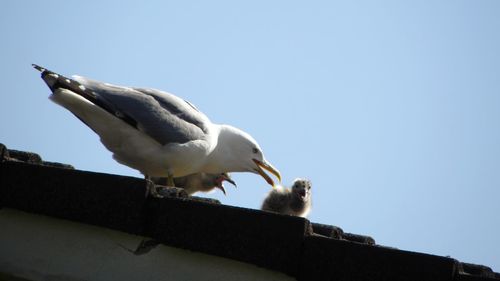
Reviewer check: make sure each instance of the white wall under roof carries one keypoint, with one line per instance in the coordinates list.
(42, 248)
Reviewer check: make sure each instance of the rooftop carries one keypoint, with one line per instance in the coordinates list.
(292, 245)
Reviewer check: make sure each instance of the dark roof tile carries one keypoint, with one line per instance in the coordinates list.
(331, 259)
(28, 157)
(469, 269)
(262, 238)
(328, 230)
(4, 152)
(94, 198)
(468, 277)
(359, 238)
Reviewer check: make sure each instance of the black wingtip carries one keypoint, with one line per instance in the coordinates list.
(43, 70)
(50, 78)
(37, 67)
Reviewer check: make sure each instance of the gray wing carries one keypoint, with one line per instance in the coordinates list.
(163, 116)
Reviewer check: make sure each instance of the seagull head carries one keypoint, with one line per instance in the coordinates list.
(240, 152)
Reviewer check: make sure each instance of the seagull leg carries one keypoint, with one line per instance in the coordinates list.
(170, 181)
(171, 191)
(159, 190)
(153, 190)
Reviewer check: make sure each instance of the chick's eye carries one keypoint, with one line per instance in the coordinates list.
(255, 150)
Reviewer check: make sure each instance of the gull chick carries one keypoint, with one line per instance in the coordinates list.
(155, 132)
(295, 201)
(201, 182)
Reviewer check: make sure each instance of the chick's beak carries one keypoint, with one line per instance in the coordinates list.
(265, 165)
(224, 177)
(221, 187)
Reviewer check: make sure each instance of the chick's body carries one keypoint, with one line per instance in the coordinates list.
(295, 201)
(201, 182)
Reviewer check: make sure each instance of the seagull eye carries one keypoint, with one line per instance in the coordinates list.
(255, 150)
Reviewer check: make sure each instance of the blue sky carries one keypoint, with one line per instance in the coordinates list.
(391, 108)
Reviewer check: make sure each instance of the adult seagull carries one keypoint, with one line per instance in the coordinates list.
(155, 132)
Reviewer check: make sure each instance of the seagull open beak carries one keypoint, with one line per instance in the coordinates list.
(264, 165)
